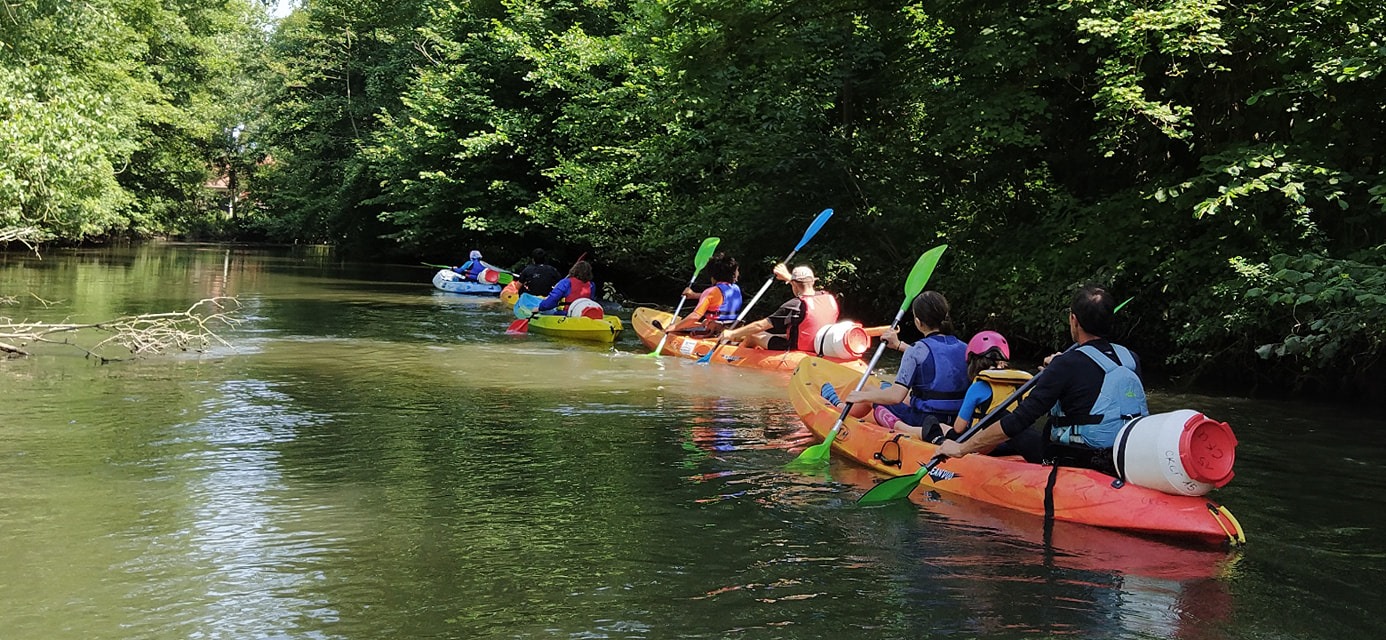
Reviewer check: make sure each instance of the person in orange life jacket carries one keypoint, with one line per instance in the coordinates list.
(1089, 392)
(792, 326)
(718, 304)
(538, 277)
(576, 286)
(932, 380)
(472, 268)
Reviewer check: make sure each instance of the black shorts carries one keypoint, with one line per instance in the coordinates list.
(777, 343)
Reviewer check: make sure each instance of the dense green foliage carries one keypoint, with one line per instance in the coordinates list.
(1219, 162)
(114, 113)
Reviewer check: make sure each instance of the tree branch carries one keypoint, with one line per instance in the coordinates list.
(138, 335)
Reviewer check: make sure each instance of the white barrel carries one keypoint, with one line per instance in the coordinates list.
(585, 307)
(1180, 452)
(843, 340)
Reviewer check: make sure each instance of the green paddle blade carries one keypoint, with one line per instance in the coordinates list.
(892, 489)
(920, 274)
(1118, 307)
(705, 252)
(816, 455)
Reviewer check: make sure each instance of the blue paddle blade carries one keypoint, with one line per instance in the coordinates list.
(813, 228)
(526, 305)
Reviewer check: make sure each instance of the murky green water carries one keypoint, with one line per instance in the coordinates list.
(373, 459)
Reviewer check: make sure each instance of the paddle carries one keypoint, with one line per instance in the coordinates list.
(903, 486)
(503, 277)
(919, 276)
(808, 235)
(699, 261)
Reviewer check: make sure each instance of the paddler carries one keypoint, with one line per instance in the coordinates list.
(932, 380)
(1089, 391)
(794, 324)
(718, 304)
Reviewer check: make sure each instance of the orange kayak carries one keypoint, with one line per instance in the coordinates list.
(643, 321)
(1078, 495)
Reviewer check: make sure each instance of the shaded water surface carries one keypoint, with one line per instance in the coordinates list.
(374, 459)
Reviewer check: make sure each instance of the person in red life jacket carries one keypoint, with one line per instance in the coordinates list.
(1089, 393)
(932, 380)
(576, 286)
(472, 268)
(718, 304)
(792, 326)
(539, 277)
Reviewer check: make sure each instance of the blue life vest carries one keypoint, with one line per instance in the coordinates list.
(731, 302)
(1122, 397)
(470, 269)
(943, 393)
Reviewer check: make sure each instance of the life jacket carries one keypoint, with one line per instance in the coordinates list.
(731, 302)
(471, 269)
(943, 394)
(577, 290)
(1003, 383)
(540, 278)
(1121, 398)
(819, 310)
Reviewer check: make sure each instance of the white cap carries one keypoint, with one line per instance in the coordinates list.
(802, 274)
(476, 255)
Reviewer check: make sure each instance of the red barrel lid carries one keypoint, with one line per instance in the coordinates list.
(1207, 449)
(857, 342)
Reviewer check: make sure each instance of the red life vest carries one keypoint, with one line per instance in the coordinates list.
(820, 310)
(577, 290)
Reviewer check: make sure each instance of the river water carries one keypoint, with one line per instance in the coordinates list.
(370, 458)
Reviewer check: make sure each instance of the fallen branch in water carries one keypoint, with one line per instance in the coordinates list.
(143, 334)
(27, 236)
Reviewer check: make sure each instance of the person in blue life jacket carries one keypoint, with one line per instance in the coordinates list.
(1089, 392)
(794, 324)
(472, 268)
(932, 380)
(718, 304)
(576, 286)
(538, 277)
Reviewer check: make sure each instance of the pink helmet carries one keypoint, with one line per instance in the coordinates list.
(986, 341)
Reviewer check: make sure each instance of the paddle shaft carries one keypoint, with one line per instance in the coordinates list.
(677, 308)
(986, 421)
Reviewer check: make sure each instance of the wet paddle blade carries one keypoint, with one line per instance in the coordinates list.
(891, 490)
(815, 455)
(518, 327)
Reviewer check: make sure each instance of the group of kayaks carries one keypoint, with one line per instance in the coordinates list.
(598, 327)
(1054, 493)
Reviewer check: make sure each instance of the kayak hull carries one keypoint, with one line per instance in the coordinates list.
(1079, 495)
(579, 328)
(450, 282)
(643, 319)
